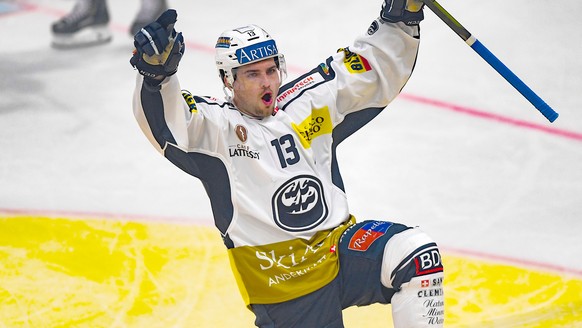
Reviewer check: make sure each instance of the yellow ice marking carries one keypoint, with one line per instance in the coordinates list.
(58, 272)
(487, 294)
(104, 273)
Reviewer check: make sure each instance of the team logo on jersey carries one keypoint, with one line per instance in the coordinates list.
(241, 133)
(363, 238)
(354, 62)
(315, 125)
(299, 204)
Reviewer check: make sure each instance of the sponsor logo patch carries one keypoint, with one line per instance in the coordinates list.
(223, 42)
(324, 68)
(189, 101)
(256, 52)
(367, 235)
(241, 133)
(428, 262)
(354, 62)
(315, 125)
(241, 150)
(373, 27)
(300, 85)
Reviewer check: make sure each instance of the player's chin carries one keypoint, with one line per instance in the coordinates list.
(267, 108)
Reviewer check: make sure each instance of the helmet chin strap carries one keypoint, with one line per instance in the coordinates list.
(228, 93)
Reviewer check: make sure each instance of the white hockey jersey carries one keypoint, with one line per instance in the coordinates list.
(274, 185)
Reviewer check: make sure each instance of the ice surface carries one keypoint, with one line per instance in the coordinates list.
(493, 176)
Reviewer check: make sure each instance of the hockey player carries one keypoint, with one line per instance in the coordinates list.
(267, 158)
(87, 24)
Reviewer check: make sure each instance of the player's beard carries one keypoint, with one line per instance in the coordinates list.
(259, 106)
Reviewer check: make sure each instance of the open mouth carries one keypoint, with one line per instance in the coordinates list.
(267, 98)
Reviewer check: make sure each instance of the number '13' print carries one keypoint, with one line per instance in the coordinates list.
(286, 150)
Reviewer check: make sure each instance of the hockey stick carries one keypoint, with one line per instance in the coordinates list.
(490, 58)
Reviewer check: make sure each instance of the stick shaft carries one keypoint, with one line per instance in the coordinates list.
(492, 60)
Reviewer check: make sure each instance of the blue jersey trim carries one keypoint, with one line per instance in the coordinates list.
(214, 176)
(328, 74)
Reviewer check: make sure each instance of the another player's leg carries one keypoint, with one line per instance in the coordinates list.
(86, 25)
(412, 266)
(148, 12)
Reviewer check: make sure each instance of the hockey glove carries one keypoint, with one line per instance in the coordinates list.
(158, 48)
(407, 11)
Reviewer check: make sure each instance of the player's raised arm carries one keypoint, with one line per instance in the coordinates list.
(373, 70)
(158, 49)
(159, 107)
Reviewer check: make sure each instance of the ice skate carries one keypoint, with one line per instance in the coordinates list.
(86, 25)
(149, 11)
